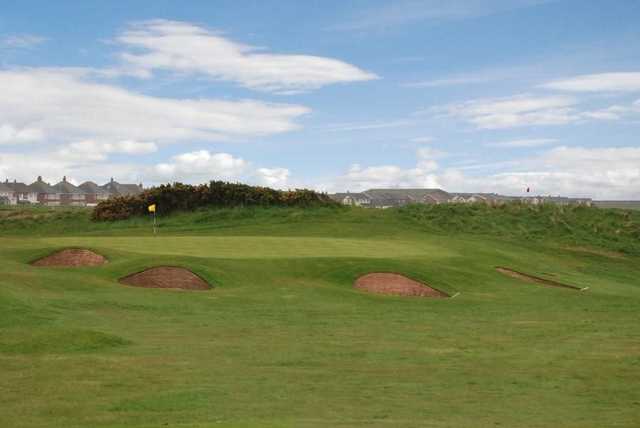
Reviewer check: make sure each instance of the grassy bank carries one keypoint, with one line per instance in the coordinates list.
(284, 341)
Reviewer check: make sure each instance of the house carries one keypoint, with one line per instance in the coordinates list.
(470, 198)
(562, 200)
(397, 197)
(354, 199)
(68, 194)
(45, 193)
(386, 198)
(116, 189)
(22, 193)
(557, 200)
(6, 195)
(400, 197)
(64, 192)
(93, 193)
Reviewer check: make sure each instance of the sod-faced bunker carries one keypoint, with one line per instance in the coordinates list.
(396, 285)
(536, 279)
(71, 257)
(166, 277)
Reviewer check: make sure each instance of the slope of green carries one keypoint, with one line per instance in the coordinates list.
(284, 341)
(613, 229)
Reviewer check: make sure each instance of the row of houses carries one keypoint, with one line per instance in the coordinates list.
(63, 193)
(386, 198)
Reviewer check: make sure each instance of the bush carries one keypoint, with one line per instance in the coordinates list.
(185, 197)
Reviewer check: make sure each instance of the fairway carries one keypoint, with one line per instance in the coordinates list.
(284, 340)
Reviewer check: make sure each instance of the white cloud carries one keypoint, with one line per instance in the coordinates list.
(521, 110)
(52, 166)
(580, 159)
(91, 151)
(615, 112)
(600, 173)
(186, 48)
(404, 12)
(195, 167)
(360, 178)
(65, 106)
(525, 142)
(365, 126)
(203, 166)
(422, 140)
(11, 135)
(273, 177)
(199, 166)
(603, 82)
(131, 147)
(449, 81)
(478, 76)
(21, 41)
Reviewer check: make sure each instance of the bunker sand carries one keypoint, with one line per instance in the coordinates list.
(166, 277)
(396, 285)
(71, 257)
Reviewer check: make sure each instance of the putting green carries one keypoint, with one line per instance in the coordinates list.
(242, 247)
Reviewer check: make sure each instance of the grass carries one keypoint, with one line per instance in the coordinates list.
(284, 341)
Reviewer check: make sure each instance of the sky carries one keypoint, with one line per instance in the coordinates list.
(463, 95)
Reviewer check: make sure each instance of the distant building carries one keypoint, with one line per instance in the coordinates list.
(354, 199)
(386, 198)
(93, 193)
(45, 193)
(6, 195)
(69, 194)
(116, 189)
(63, 192)
(22, 194)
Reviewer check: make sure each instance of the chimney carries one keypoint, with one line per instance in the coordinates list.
(64, 179)
(111, 180)
(39, 178)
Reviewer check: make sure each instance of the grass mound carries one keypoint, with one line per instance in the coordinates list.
(72, 257)
(166, 277)
(613, 229)
(395, 284)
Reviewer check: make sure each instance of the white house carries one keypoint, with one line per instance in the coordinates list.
(6, 195)
(22, 193)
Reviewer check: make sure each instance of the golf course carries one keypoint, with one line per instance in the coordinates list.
(283, 339)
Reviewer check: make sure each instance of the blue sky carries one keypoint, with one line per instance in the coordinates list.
(466, 95)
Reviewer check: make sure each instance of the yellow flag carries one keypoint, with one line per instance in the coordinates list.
(152, 208)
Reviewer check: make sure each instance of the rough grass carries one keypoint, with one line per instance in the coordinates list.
(610, 229)
(284, 341)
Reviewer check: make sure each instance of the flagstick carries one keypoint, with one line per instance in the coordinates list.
(154, 222)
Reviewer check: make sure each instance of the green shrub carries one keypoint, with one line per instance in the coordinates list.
(186, 197)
